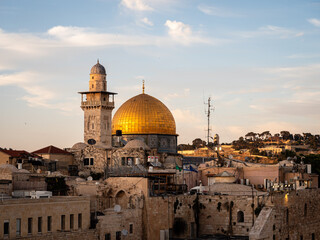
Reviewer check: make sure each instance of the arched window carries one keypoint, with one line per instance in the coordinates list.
(240, 216)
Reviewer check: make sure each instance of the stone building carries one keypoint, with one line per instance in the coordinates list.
(16, 157)
(62, 158)
(50, 218)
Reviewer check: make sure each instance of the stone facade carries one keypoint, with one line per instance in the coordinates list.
(163, 143)
(127, 221)
(41, 217)
(97, 121)
(90, 158)
(289, 216)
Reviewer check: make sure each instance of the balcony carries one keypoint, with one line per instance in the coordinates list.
(97, 104)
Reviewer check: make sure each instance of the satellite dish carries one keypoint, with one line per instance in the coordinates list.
(124, 232)
(91, 141)
(117, 208)
(230, 156)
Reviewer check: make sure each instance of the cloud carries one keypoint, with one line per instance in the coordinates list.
(183, 34)
(136, 5)
(314, 21)
(272, 31)
(36, 95)
(297, 92)
(214, 11)
(146, 21)
(40, 44)
(185, 93)
(85, 37)
(300, 56)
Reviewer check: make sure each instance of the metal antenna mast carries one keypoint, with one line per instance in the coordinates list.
(208, 112)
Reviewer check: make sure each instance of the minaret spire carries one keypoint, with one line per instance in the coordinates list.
(143, 86)
(98, 60)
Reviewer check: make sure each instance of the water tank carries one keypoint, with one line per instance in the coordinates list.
(308, 168)
(19, 165)
(247, 182)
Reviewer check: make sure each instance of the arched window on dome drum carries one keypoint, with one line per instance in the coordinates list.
(92, 77)
(240, 216)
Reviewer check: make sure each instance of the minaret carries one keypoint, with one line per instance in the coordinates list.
(97, 105)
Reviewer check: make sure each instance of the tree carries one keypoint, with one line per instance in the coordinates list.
(251, 136)
(285, 135)
(297, 137)
(265, 135)
(198, 143)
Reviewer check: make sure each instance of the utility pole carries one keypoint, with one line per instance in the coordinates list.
(208, 112)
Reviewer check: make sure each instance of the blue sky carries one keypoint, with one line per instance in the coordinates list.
(258, 60)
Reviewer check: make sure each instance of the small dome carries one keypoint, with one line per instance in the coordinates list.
(9, 167)
(136, 144)
(98, 69)
(79, 145)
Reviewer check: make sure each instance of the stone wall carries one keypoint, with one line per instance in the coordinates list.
(76, 235)
(39, 210)
(126, 220)
(294, 216)
(187, 215)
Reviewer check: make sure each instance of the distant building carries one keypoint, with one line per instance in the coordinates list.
(62, 158)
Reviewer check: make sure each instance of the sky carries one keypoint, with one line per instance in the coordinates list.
(259, 62)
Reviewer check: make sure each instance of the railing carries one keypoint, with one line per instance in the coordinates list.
(97, 103)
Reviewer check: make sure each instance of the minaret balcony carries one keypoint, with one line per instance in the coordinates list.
(97, 104)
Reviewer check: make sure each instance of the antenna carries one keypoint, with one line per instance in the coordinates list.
(208, 112)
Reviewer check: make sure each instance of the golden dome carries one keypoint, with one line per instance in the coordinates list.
(143, 114)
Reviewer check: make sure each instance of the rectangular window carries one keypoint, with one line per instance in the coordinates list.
(18, 228)
(79, 221)
(123, 161)
(131, 228)
(71, 221)
(91, 161)
(39, 224)
(107, 236)
(29, 225)
(118, 235)
(6, 227)
(86, 161)
(63, 222)
(49, 223)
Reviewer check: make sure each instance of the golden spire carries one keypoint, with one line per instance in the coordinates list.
(143, 86)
